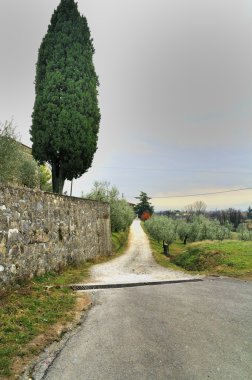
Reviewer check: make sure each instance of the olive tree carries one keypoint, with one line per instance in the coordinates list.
(201, 228)
(162, 229)
(121, 213)
(244, 233)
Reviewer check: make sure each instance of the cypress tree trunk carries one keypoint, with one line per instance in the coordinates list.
(57, 178)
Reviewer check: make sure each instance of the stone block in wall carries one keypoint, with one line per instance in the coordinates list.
(41, 232)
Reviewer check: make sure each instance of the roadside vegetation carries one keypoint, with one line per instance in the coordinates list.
(119, 242)
(121, 213)
(29, 312)
(37, 313)
(201, 245)
(18, 167)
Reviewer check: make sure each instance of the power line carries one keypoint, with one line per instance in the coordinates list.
(202, 194)
(175, 170)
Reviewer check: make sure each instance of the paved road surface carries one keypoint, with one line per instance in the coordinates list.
(184, 331)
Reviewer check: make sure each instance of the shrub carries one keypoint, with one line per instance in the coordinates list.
(244, 233)
(121, 213)
(162, 228)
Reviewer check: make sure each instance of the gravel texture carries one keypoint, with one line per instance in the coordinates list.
(136, 265)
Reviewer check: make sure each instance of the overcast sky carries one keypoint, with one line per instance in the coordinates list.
(175, 93)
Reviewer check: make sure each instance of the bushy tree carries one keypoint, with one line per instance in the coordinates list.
(66, 116)
(144, 207)
(201, 228)
(102, 191)
(121, 213)
(162, 229)
(183, 230)
(16, 165)
(9, 153)
(244, 233)
(28, 172)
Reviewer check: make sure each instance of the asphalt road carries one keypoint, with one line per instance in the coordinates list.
(183, 331)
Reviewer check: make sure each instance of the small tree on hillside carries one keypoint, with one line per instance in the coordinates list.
(66, 117)
(121, 213)
(144, 208)
(244, 233)
(16, 165)
(162, 229)
(28, 172)
(9, 153)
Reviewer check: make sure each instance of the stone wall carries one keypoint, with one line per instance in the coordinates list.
(43, 232)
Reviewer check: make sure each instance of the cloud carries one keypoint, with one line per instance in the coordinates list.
(175, 93)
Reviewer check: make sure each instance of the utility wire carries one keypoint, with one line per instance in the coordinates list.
(201, 194)
(176, 170)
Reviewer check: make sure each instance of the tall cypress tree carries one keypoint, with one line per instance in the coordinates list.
(66, 116)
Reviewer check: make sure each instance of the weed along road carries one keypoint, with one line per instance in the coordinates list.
(184, 329)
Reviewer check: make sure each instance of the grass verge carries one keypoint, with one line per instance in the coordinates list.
(31, 312)
(119, 242)
(228, 258)
(39, 312)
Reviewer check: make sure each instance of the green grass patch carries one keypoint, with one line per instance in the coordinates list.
(228, 257)
(119, 241)
(196, 259)
(31, 310)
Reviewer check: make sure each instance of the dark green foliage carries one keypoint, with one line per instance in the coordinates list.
(144, 205)
(28, 172)
(66, 116)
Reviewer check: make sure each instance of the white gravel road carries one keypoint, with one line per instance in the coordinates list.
(136, 265)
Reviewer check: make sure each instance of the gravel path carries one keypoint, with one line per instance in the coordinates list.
(136, 265)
